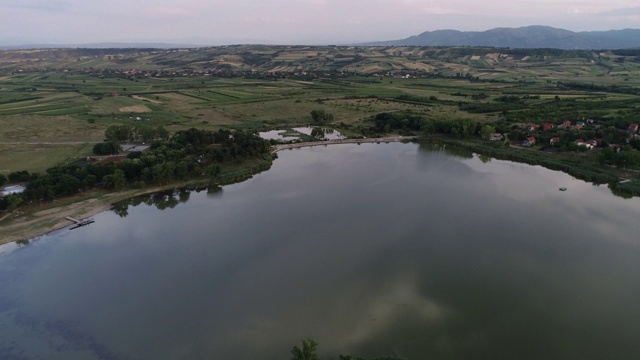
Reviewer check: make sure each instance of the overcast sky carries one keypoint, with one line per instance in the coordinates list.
(291, 21)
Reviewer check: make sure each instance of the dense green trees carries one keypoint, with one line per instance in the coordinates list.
(409, 123)
(385, 122)
(321, 117)
(19, 176)
(188, 154)
(625, 158)
(106, 148)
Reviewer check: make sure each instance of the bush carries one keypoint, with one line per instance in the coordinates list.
(19, 176)
(106, 148)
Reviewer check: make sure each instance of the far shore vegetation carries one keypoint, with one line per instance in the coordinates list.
(90, 121)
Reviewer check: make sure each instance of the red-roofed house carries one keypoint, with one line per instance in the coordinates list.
(633, 128)
(534, 127)
(554, 140)
(615, 147)
(529, 141)
(547, 126)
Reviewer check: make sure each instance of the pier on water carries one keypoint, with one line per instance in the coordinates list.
(79, 223)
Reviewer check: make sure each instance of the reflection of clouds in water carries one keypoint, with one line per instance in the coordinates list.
(342, 321)
(398, 300)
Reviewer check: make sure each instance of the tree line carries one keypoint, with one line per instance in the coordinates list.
(409, 123)
(187, 154)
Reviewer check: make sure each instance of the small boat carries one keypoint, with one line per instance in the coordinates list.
(563, 189)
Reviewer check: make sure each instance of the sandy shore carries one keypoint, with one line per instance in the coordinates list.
(40, 220)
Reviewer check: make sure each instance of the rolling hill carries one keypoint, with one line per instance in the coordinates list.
(524, 37)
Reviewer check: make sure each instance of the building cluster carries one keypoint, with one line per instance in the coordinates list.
(630, 133)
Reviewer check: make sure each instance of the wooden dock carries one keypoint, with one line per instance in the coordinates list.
(79, 223)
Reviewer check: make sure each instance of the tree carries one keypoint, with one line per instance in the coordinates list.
(486, 131)
(213, 170)
(308, 351)
(119, 179)
(321, 116)
(66, 185)
(162, 133)
(3, 179)
(13, 200)
(19, 176)
(106, 148)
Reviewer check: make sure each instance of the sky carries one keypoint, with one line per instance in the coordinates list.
(215, 22)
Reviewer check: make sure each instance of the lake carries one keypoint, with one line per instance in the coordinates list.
(409, 250)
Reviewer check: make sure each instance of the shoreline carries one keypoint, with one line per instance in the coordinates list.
(280, 147)
(44, 219)
(51, 217)
(41, 220)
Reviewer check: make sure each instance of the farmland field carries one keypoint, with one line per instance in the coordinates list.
(72, 95)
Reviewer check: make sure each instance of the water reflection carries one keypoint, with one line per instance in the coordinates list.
(456, 151)
(162, 200)
(277, 135)
(373, 250)
(616, 188)
(306, 133)
(320, 132)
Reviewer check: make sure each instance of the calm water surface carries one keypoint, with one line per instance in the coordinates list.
(373, 249)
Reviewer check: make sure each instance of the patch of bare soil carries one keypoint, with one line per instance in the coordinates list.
(25, 227)
(138, 97)
(135, 109)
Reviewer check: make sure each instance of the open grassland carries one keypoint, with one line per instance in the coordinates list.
(62, 100)
(37, 158)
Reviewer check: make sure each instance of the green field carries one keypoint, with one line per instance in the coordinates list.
(68, 97)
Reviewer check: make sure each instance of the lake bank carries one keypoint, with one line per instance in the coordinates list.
(38, 220)
(621, 182)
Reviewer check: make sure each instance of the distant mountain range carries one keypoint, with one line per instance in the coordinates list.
(535, 36)
(524, 37)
